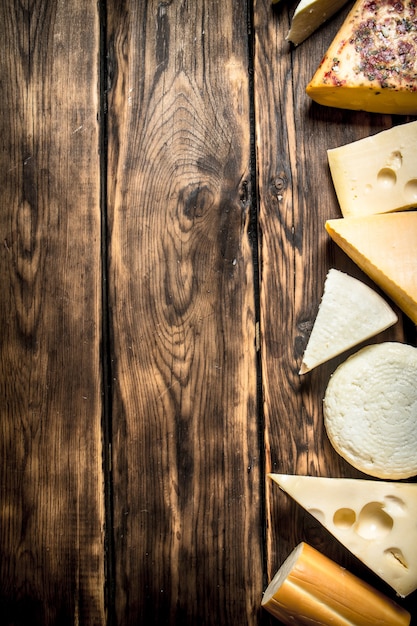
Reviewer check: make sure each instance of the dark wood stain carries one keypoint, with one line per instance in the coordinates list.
(154, 216)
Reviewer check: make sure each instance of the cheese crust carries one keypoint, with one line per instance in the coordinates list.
(371, 64)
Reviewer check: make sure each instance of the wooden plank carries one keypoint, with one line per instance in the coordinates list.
(296, 197)
(186, 465)
(51, 494)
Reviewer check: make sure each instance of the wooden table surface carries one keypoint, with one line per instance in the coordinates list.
(164, 188)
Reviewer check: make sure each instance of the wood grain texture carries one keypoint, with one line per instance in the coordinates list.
(296, 198)
(186, 462)
(51, 504)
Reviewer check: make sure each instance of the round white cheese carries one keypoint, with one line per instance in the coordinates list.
(370, 410)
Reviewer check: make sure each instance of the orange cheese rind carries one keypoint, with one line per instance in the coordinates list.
(310, 589)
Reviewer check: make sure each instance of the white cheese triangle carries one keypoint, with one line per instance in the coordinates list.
(349, 312)
(384, 247)
(309, 15)
(375, 520)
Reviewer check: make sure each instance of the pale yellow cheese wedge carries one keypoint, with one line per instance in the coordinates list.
(370, 410)
(349, 312)
(371, 65)
(385, 248)
(310, 589)
(377, 174)
(375, 520)
(309, 15)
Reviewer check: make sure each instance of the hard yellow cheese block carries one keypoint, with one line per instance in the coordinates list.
(310, 589)
(349, 312)
(371, 65)
(375, 520)
(377, 174)
(384, 247)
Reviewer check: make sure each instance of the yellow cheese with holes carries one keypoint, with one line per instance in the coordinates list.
(377, 174)
(310, 589)
(371, 65)
(350, 312)
(384, 247)
(375, 520)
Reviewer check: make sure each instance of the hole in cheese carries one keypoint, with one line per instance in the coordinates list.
(410, 190)
(395, 506)
(344, 518)
(395, 160)
(373, 521)
(396, 556)
(386, 178)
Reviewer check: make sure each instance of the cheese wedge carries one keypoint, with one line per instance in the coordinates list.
(370, 410)
(349, 312)
(385, 248)
(377, 174)
(309, 588)
(375, 520)
(371, 65)
(309, 15)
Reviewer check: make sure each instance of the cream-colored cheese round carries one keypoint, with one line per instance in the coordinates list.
(370, 410)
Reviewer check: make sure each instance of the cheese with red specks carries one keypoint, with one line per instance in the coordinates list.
(371, 65)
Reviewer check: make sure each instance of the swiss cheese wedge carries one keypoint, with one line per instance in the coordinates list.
(375, 520)
(371, 65)
(349, 312)
(377, 174)
(384, 247)
(309, 588)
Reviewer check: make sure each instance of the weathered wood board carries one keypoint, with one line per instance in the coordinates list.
(51, 481)
(164, 188)
(186, 457)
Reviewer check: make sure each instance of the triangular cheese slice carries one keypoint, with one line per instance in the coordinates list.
(371, 65)
(349, 312)
(385, 248)
(309, 15)
(375, 520)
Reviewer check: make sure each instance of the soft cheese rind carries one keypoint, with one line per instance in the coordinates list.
(310, 589)
(375, 520)
(371, 64)
(370, 410)
(349, 312)
(377, 174)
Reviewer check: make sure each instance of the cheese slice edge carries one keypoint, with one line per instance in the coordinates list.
(375, 520)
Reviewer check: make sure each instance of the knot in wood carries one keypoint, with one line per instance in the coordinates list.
(279, 184)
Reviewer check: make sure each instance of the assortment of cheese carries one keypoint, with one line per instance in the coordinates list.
(371, 64)
(370, 404)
